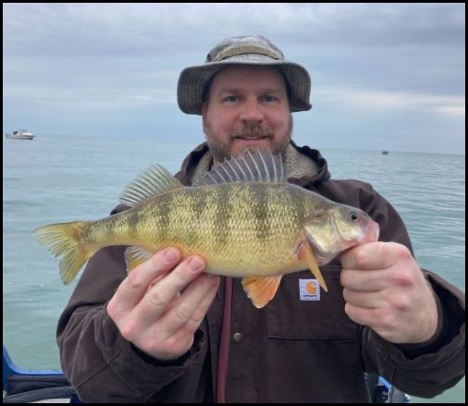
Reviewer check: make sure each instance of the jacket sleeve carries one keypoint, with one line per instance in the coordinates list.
(99, 363)
(426, 369)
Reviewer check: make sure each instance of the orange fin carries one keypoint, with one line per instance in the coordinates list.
(261, 290)
(307, 254)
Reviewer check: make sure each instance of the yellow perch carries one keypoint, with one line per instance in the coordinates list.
(243, 217)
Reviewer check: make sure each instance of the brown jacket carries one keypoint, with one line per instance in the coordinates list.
(289, 351)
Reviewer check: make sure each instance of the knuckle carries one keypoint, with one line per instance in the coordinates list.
(400, 303)
(403, 252)
(349, 310)
(156, 297)
(345, 277)
(183, 313)
(386, 318)
(127, 331)
(346, 295)
(198, 317)
(404, 277)
(360, 257)
(135, 280)
(112, 308)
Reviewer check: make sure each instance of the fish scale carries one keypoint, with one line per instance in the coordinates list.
(243, 217)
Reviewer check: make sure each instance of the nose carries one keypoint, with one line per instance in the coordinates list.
(251, 111)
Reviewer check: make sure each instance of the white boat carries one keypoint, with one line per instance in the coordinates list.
(21, 135)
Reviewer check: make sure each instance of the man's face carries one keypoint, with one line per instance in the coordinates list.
(247, 107)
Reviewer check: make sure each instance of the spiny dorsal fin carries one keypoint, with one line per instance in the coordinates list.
(252, 166)
(154, 180)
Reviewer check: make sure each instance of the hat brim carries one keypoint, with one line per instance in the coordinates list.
(192, 81)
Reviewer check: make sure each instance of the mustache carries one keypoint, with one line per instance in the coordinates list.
(252, 132)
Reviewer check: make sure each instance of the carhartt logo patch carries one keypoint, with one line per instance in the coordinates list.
(309, 290)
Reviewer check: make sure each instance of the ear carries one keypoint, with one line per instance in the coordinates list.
(204, 113)
(204, 109)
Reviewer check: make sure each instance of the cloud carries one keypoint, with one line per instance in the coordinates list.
(370, 100)
(149, 28)
(121, 61)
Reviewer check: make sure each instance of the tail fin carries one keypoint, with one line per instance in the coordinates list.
(66, 242)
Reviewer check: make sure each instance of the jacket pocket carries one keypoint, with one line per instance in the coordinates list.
(288, 316)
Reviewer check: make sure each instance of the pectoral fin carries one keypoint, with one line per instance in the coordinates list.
(261, 290)
(135, 256)
(307, 254)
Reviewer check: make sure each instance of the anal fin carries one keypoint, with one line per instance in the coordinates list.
(261, 289)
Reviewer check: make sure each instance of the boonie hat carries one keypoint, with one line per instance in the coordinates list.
(242, 50)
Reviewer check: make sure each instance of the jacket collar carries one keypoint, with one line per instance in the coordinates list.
(304, 166)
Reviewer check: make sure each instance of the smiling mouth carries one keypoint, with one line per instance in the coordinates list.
(252, 137)
(250, 133)
(259, 137)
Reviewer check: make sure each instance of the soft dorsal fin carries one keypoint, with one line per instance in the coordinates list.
(154, 180)
(252, 166)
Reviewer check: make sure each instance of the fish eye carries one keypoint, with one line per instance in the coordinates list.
(353, 215)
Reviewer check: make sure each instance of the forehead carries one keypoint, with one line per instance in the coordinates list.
(246, 75)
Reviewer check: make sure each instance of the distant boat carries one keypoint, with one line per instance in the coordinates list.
(21, 135)
(384, 152)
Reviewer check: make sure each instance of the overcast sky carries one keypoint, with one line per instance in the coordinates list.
(384, 76)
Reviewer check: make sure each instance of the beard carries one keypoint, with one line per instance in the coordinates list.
(221, 148)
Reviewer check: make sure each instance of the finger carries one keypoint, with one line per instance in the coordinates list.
(205, 304)
(155, 301)
(135, 285)
(373, 255)
(369, 300)
(174, 330)
(168, 287)
(364, 280)
(364, 316)
(188, 311)
(382, 321)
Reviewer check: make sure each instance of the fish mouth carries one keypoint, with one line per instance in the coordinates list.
(371, 233)
(325, 253)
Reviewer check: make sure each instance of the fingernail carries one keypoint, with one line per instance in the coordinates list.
(171, 254)
(196, 263)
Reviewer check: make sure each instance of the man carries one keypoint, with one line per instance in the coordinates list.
(169, 332)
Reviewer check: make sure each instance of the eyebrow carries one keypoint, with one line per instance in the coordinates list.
(240, 89)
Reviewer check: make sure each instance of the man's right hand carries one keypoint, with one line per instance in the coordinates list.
(160, 305)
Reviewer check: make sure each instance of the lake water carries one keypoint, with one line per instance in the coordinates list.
(57, 179)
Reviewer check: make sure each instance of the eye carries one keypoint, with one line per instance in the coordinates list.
(270, 99)
(353, 215)
(230, 99)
